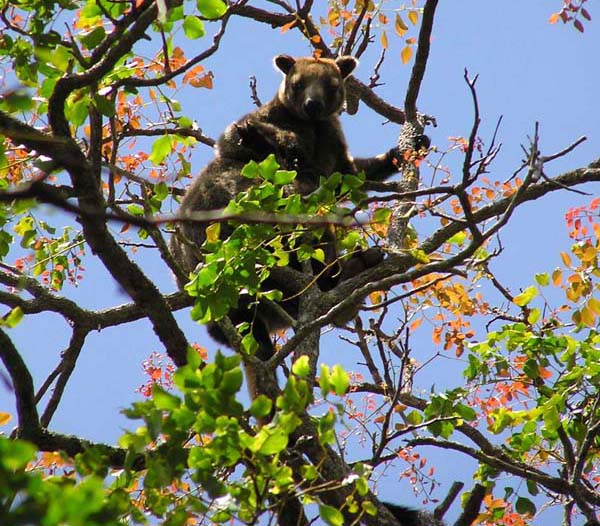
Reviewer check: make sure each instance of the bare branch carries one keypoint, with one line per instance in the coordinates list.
(418, 71)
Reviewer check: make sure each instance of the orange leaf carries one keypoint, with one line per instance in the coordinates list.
(384, 40)
(315, 39)
(376, 297)
(5, 418)
(566, 259)
(205, 81)
(557, 277)
(415, 324)
(413, 16)
(406, 54)
(288, 26)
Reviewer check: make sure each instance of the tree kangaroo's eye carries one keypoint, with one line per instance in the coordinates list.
(332, 86)
(297, 86)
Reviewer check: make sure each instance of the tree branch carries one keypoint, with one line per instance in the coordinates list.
(22, 381)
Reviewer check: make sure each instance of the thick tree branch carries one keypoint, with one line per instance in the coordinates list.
(22, 381)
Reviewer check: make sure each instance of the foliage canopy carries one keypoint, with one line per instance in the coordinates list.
(91, 125)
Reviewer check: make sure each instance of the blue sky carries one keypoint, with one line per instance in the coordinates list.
(528, 71)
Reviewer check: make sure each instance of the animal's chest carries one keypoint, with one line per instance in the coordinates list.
(317, 153)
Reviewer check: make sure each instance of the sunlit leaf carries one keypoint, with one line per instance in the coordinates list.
(212, 8)
(406, 54)
(399, 25)
(526, 296)
(14, 318)
(193, 27)
(384, 40)
(331, 515)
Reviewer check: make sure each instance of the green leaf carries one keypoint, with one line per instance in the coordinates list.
(162, 147)
(163, 399)
(249, 344)
(161, 190)
(269, 441)
(92, 39)
(105, 105)
(542, 279)
(309, 472)
(368, 507)
(261, 406)
(14, 318)
(324, 380)
(232, 381)
(551, 419)
(466, 412)
(339, 380)
(524, 506)
(193, 27)
(526, 296)
(283, 177)
(534, 316)
(77, 112)
(212, 8)
(414, 418)
(420, 255)
(301, 367)
(330, 515)
(15, 454)
(382, 215)
(250, 170)
(268, 168)
(458, 238)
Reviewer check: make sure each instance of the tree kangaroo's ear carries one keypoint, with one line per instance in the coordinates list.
(284, 63)
(346, 64)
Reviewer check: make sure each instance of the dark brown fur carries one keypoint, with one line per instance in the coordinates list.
(301, 127)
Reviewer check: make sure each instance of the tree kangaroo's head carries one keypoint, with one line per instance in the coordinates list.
(313, 89)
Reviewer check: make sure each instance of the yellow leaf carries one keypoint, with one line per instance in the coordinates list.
(413, 16)
(5, 418)
(406, 54)
(333, 17)
(400, 26)
(588, 317)
(525, 297)
(594, 305)
(573, 294)
(384, 40)
(589, 254)
(213, 231)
